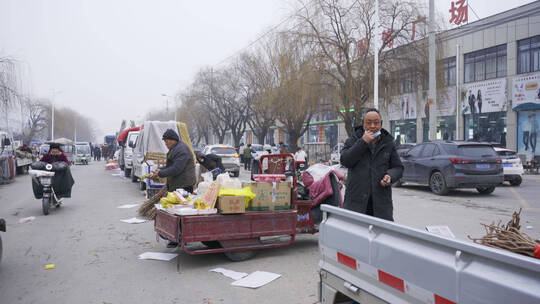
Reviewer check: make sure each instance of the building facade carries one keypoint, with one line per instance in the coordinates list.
(490, 90)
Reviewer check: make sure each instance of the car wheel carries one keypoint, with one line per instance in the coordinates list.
(516, 181)
(133, 177)
(236, 174)
(437, 184)
(485, 190)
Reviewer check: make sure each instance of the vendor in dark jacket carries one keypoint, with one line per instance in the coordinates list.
(180, 167)
(210, 161)
(373, 165)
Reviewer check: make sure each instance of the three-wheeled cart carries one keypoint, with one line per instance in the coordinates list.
(239, 235)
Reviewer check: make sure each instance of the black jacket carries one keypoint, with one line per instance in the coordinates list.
(367, 169)
(212, 161)
(180, 168)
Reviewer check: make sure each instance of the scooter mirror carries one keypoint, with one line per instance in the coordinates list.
(48, 167)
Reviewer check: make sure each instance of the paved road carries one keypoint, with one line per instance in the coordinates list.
(96, 255)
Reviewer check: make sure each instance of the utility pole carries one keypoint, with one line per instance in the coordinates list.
(376, 63)
(432, 96)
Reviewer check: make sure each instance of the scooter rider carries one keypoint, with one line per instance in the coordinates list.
(55, 154)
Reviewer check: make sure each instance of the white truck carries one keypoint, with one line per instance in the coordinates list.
(149, 139)
(370, 260)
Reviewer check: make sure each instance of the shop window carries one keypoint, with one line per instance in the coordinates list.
(529, 55)
(446, 128)
(449, 71)
(406, 82)
(485, 64)
(488, 127)
(403, 131)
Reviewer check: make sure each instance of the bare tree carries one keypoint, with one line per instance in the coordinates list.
(37, 114)
(343, 32)
(257, 77)
(9, 89)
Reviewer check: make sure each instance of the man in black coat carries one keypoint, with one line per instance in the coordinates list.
(180, 167)
(373, 163)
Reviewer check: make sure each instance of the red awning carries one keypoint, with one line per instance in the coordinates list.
(123, 135)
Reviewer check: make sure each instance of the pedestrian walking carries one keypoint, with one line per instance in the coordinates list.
(373, 163)
(241, 152)
(247, 157)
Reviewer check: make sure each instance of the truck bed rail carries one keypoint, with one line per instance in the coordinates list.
(398, 264)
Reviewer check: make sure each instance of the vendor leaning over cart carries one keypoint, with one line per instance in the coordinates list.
(180, 167)
(211, 162)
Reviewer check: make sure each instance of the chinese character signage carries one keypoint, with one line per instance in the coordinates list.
(526, 89)
(485, 96)
(459, 12)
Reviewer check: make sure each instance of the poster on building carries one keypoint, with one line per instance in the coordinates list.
(484, 97)
(402, 107)
(528, 128)
(526, 89)
(445, 104)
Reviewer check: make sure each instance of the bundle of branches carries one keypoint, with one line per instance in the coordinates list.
(147, 208)
(509, 237)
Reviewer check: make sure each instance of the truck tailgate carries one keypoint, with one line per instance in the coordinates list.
(398, 264)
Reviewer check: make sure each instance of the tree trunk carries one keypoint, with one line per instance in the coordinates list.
(293, 140)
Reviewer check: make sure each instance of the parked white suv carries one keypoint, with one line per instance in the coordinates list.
(229, 157)
(512, 166)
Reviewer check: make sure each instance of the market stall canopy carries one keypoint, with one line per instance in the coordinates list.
(123, 135)
(61, 141)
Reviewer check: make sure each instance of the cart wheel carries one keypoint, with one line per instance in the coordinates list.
(212, 244)
(238, 256)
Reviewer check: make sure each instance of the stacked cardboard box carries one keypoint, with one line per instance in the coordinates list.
(269, 197)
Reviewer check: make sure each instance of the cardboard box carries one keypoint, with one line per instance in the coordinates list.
(267, 198)
(232, 204)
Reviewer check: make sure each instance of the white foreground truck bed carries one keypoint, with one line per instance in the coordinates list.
(375, 261)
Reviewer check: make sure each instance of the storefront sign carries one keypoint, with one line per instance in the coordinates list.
(484, 97)
(526, 89)
(446, 103)
(402, 107)
(459, 12)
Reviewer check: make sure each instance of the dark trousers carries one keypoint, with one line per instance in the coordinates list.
(247, 164)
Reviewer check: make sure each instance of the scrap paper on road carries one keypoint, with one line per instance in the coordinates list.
(230, 273)
(127, 206)
(134, 220)
(160, 256)
(256, 279)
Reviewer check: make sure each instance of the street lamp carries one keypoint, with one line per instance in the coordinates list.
(175, 109)
(52, 112)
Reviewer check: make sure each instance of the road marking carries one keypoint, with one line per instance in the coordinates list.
(523, 202)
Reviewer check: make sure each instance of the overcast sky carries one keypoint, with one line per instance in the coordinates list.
(112, 59)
